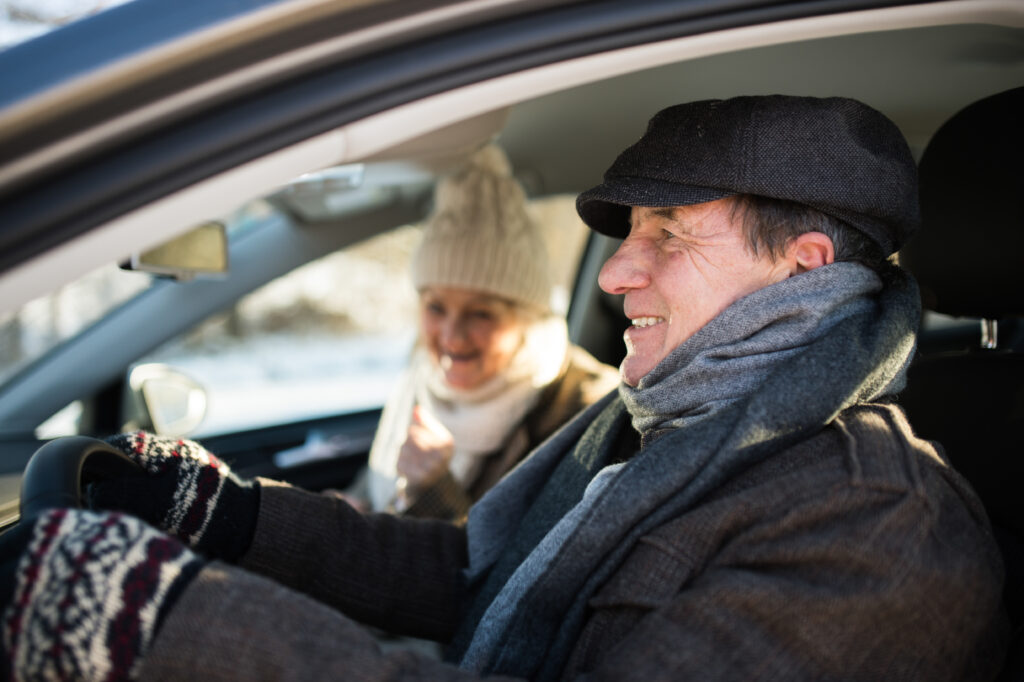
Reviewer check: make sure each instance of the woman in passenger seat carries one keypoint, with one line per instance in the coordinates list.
(493, 373)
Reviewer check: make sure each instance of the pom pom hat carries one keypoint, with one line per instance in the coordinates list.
(836, 155)
(481, 237)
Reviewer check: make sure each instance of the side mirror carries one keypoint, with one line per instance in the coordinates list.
(167, 401)
(203, 250)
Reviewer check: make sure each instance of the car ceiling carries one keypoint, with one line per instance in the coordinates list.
(918, 77)
(561, 142)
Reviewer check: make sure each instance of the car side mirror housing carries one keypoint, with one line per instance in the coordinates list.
(166, 401)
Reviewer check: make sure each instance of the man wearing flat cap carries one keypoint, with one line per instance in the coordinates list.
(750, 504)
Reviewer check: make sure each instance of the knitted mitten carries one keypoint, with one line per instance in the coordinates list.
(186, 492)
(88, 595)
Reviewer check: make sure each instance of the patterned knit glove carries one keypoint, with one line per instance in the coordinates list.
(186, 491)
(88, 594)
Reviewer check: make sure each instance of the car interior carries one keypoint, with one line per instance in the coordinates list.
(952, 87)
(971, 399)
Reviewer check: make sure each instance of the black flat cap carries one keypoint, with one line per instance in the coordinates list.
(836, 155)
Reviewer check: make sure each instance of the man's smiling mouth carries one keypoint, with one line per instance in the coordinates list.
(646, 321)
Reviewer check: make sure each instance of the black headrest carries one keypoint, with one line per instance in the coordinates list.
(968, 255)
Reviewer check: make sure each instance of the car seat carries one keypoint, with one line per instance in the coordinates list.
(968, 258)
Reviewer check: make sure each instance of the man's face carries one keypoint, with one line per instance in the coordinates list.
(678, 268)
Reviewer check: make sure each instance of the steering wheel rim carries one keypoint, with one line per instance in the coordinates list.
(56, 472)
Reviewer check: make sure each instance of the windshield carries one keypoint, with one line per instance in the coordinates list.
(42, 324)
(327, 338)
(46, 322)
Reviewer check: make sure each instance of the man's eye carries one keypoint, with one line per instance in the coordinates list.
(486, 315)
(435, 308)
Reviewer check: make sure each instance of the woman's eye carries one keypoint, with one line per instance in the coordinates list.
(434, 308)
(485, 315)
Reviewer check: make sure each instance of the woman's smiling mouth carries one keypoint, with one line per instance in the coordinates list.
(448, 360)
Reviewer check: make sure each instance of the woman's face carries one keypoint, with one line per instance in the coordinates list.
(472, 336)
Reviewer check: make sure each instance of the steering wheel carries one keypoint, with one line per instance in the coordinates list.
(58, 471)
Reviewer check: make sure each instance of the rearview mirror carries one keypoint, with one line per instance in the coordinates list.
(202, 250)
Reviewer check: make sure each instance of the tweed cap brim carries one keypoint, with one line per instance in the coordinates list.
(606, 208)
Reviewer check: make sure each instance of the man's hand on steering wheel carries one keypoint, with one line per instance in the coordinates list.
(184, 490)
(83, 594)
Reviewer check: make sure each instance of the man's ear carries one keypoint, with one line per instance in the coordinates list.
(810, 250)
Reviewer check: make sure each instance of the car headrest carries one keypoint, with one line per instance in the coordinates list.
(968, 255)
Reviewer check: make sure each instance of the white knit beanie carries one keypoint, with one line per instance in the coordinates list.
(481, 237)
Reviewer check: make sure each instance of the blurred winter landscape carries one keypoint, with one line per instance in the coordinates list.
(330, 337)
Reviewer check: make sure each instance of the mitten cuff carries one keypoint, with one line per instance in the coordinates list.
(232, 523)
(92, 590)
(190, 493)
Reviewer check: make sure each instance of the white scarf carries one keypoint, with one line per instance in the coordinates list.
(480, 420)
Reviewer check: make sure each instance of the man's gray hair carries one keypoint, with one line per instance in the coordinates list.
(770, 224)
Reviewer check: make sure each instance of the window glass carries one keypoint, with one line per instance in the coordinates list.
(22, 20)
(44, 323)
(565, 235)
(332, 336)
(328, 338)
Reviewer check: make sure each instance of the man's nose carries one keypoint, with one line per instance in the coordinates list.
(627, 268)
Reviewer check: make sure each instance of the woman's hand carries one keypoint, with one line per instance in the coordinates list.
(425, 454)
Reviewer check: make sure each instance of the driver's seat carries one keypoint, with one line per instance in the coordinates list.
(969, 260)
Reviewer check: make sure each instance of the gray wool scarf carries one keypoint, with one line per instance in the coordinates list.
(771, 370)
